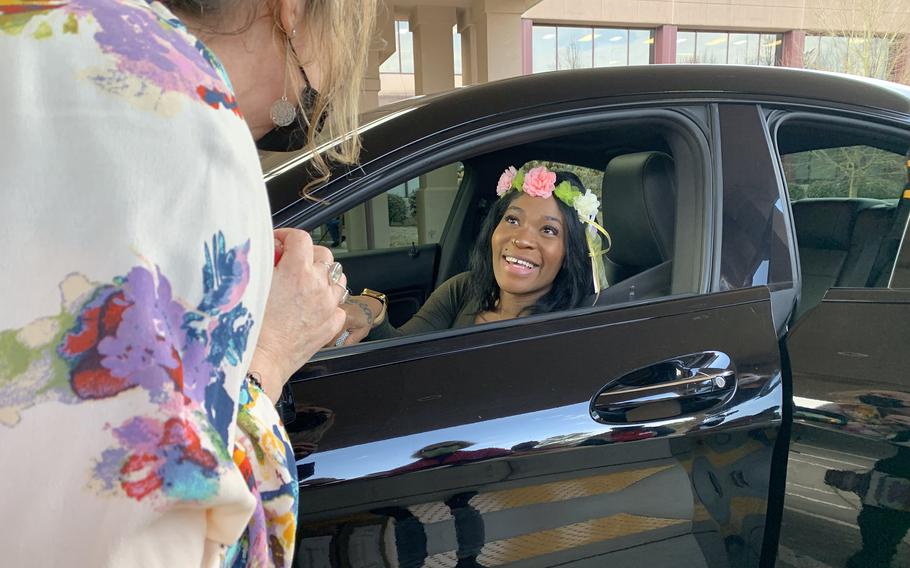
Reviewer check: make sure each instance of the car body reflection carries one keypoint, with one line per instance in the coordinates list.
(849, 473)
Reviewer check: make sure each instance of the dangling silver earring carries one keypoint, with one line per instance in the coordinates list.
(283, 112)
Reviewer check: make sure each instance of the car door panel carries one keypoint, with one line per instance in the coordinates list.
(850, 464)
(482, 447)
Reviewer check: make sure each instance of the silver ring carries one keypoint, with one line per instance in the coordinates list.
(341, 338)
(346, 295)
(335, 271)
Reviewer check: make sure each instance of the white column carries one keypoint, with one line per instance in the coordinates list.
(369, 92)
(434, 71)
(468, 49)
(497, 38)
(356, 228)
(358, 231)
(434, 59)
(434, 202)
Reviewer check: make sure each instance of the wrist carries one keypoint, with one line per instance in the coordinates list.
(271, 378)
(375, 307)
(377, 302)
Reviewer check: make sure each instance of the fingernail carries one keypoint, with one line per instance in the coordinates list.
(279, 249)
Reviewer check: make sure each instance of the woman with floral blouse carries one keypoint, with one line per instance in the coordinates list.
(144, 333)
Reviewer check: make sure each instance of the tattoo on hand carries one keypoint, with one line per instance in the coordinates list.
(365, 308)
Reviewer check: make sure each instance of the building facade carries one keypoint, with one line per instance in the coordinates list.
(432, 46)
(429, 46)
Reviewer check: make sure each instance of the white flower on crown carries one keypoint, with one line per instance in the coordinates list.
(587, 205)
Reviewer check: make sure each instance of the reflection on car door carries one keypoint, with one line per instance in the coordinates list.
(640, 435)
(848, 482)
(849, 473)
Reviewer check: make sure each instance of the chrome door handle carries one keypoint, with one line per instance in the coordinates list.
(675, 387)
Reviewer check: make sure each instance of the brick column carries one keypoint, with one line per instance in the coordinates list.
(665, 44)
(794, 45)
(527, 46)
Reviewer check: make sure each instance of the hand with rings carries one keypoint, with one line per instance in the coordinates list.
(336, 273)
(302, 313)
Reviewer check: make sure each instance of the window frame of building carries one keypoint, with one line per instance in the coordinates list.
(397, 64)
(764, 40)
(817, 49)
(588, 34)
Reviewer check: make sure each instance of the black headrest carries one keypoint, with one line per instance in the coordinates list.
(827, 223)
(639, 209)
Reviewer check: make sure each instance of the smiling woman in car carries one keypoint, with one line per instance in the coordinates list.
(539, 250)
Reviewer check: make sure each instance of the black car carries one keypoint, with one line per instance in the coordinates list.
(740, 392)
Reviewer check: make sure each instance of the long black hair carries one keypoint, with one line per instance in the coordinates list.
(573, 282)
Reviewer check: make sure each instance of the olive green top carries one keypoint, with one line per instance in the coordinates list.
(448, 307)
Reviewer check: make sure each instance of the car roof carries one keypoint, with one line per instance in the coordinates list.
(393, 126)
(707, 80)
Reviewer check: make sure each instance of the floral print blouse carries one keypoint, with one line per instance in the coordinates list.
(136, 260)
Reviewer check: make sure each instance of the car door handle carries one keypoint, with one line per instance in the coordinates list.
(675, 387)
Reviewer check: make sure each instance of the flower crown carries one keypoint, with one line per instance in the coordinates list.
(541, 182)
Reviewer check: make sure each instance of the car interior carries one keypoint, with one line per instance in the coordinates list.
(844, 241)
(640, 208)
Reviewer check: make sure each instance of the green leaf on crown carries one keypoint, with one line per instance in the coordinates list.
(566, 193)
(519, 180)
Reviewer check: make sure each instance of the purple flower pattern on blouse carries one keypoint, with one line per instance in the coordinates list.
(149, 52)
(135, 334)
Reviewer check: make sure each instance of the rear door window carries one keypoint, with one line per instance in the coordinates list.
(845, 204)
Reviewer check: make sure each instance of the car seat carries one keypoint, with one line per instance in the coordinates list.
(639, 212)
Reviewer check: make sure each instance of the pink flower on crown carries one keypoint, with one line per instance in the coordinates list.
(505, 181)
(539, 182)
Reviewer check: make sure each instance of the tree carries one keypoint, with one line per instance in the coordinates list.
(398, 210)
(861, 37)
(866, 38)
(854, 171)
(571, 58)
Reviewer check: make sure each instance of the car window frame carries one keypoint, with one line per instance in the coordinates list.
(675, 115)
(776, 116)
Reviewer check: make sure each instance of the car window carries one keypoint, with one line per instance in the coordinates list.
(845, 208)
(848, 172)
(409, 214)
(431, 233)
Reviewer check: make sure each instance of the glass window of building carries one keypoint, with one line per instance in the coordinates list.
(402, 61)
(611, 48)
(866, 56)
(728, 47)
(543, 48)
(570, 47)
(456, 47)
(770, 49)
(575, 48)
(743, 49)
(685, 47)
(397, 80)
(711, 47)
(641, 47)
(406, 47)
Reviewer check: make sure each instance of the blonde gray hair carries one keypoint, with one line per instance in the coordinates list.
(342, 30)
